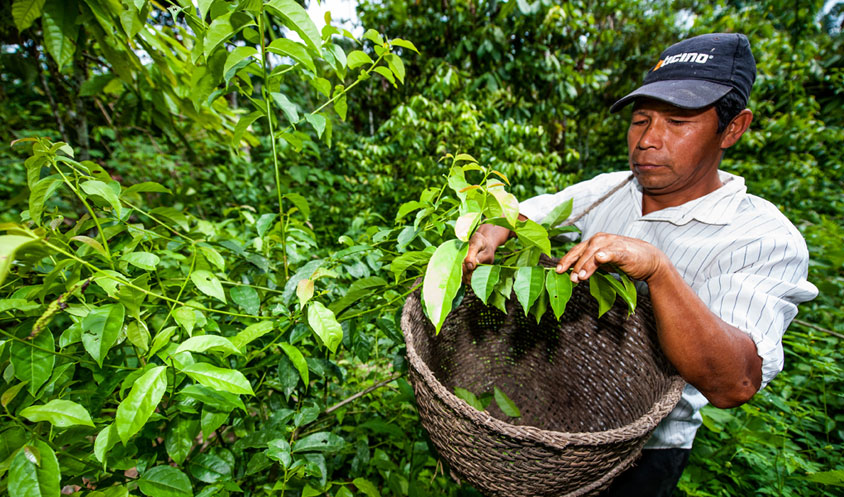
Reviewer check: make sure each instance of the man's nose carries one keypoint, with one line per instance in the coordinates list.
(652, 135)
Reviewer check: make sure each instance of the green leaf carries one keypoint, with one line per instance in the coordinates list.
(165, 481)
(205, 343)
(25, 12)
(357, 290)
(322, 85)
(442, 280)
(186, 318)
(180, 437)
(60, 30)
(214, 257)
(210, 468)
(319, 442)
(34, 364)
(325, 325)
(134, 411)
(398, 42)
(242, 125)
(172, 214)
(366, 486)
(300, 202)
(222, 28)
(484, 279)
(604, 293)
(237, 55)
(162, 338)
(221, 401)
(396, 65)
(357, 58)
(318, 122)
(94, 244)
(503, 204)
(340, 105)
(246, 298)
(147, 186)
(416, 258)
(138, 334)
(298, 361)
(533, 235)
(626, 290)
(144, 260)
(100, 329)
(373, 36)
(59, 413)
(208, 284)
(465, 225)
(224, 380)
(252, 332)
(834, 477)
(297, 51)
(297, 19)
(468, 397)
(388, 75)
(528, 285)
(506, 405)
(558, 214)
(10, 394)
(291, 111)
(9, 246)
(40, 193)
(559, 288)
(279, 450)
(39, 478)
(304, 292)
(106, 439)
(104, 191)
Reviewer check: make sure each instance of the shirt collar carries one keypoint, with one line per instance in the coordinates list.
(718, 207)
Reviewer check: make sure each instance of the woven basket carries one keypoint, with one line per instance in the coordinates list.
(590, 392)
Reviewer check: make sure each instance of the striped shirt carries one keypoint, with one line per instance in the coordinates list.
(738, 253)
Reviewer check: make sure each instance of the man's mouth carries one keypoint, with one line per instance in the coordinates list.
(644, 166)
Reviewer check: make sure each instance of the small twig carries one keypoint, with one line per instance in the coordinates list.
(361, 394)
(818, 328)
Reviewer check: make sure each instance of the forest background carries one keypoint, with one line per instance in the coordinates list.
(216, 211)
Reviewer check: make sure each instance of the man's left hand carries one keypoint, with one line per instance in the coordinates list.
(638, 259)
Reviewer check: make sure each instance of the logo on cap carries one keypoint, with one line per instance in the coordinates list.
(699, 58)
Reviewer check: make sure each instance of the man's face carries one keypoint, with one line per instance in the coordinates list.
(672, 151)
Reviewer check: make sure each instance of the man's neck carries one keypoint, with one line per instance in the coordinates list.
(652, 202)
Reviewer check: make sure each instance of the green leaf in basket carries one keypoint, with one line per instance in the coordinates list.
(603, 291)
(468, 397)
(484, 279)
(506, 405)
(559, 291)
(528, 285)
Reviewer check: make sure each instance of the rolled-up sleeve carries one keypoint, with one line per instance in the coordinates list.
(756, 288)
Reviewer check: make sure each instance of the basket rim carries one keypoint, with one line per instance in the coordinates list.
(554, 439)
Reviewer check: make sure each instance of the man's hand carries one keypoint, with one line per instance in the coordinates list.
(638, 259)
(482, 248)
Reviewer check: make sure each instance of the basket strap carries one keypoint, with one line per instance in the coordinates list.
(596, 203)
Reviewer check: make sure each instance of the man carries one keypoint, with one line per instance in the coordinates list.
(724, 269)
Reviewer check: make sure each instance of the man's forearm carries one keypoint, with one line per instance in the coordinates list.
(718, 359)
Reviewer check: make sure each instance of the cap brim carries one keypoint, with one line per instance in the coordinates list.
(683, 93)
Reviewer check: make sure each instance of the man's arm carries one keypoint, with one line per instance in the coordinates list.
(717, 358)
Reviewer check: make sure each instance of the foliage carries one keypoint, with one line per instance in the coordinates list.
(231, 202)
(488, 202)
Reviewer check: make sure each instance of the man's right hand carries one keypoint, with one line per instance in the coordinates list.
(482, 248)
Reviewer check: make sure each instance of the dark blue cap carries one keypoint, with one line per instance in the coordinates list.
(695, 73)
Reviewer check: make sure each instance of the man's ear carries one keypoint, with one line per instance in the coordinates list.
(736, 128)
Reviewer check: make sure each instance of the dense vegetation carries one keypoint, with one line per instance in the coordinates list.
(215, 212)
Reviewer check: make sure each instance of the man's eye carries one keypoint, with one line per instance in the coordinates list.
(677, 121)
(638, 122)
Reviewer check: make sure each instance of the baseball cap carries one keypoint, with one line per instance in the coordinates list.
(696, 72)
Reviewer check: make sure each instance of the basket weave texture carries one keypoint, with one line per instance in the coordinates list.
(590, 392)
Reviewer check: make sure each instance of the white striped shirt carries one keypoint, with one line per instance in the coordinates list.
(738, 253)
